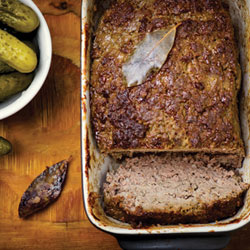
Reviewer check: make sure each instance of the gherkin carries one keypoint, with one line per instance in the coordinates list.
(5, 68)
(5, 146)
(13, 83)
(16, 54)
(18, 16)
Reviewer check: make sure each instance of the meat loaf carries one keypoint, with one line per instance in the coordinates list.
(172, 189)
(190, 104)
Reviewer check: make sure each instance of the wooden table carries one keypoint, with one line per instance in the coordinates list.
(46, 131)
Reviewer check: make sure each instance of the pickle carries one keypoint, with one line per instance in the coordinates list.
(30, 45)
(5, 146)
(16, 54)
(19, 35)
(13, 83)
(18, 16)
(5, 68)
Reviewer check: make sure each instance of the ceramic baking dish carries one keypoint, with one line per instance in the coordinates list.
(95, 165)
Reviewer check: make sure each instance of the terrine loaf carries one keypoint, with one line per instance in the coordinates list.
(190, 104)
(171, 189)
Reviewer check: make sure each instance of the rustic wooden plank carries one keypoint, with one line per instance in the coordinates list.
(46, 235)
(45, 132)
(59, 7)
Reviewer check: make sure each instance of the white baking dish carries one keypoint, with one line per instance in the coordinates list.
(95, 165)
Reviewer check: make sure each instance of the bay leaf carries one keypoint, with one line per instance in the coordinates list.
(149, 55)
(44, 189)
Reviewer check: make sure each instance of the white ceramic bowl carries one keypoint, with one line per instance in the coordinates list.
(18, 101)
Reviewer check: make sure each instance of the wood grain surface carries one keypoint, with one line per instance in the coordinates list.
(46, 131)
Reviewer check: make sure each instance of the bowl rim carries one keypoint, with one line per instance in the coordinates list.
(42, 70)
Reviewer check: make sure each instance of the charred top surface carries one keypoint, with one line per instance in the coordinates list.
(191, 103)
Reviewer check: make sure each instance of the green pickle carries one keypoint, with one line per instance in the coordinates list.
(5, 68)
(18, 59)
(18, 16)
(13, 83)
(16, 53)
(5, 146)
(31, 45)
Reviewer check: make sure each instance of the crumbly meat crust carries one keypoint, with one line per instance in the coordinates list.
(191, 103)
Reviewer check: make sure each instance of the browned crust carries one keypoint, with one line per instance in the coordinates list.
(208, 213)
(176, 109)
